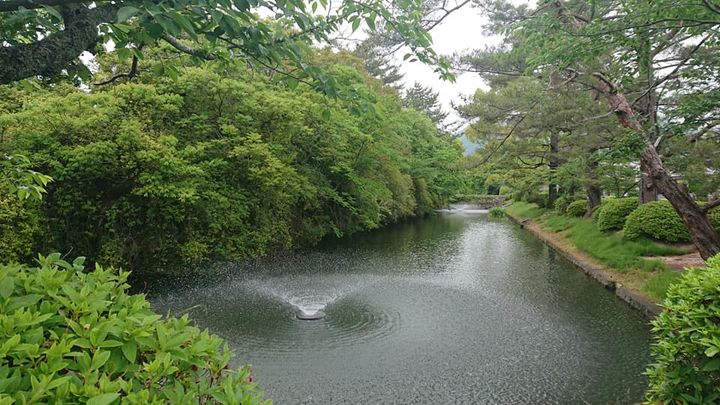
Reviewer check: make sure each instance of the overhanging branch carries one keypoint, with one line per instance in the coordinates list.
(55, 52)
(14, 5)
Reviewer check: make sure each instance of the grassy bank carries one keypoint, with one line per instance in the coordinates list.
(629, 260)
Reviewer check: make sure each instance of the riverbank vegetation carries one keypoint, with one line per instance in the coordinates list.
(631, 260)
(219, 164)
(594, 99)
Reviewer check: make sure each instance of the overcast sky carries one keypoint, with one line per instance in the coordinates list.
(461, 31)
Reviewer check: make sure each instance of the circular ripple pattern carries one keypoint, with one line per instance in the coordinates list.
(458, 308)
(352, 322)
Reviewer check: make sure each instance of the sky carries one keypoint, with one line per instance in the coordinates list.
(459, 32)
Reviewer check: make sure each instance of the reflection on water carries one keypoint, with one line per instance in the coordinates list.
(458, 308)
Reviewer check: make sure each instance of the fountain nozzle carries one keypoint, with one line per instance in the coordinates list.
(304, 316)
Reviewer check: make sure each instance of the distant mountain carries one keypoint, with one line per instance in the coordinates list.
(470, 146)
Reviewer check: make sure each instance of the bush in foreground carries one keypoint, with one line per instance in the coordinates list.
(576, 208)
(687, 340)
(656, 220)
(614, 213)
(74, 337)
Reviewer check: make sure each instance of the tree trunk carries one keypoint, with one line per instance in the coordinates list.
(705, 238)
(646, 107)
(553, 164)
(56, 51)
(592, 189)
(648, 191)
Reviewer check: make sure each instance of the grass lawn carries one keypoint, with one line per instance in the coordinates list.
(621, 256)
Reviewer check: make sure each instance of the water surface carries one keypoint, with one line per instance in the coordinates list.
(458, 308)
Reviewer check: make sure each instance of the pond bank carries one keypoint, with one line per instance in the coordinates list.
(605, 276)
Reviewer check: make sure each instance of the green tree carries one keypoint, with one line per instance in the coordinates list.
(629, 53)
(425, 100)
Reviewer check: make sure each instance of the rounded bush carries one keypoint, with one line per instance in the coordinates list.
(657, 220)
(561, 204)
(614, 213)
(576, 208)
(75, 337)
(687, 340)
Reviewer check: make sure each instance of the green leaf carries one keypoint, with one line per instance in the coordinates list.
(103, 399)
(7, 285)
(99, 359)
(129, 350)
(124, 13)
(53, 12)
(712, 365)
(22, 302)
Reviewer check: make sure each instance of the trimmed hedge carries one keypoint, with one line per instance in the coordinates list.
(576, 208)
(75, 337)
(614, 213)
(656, 220)
(687, 341)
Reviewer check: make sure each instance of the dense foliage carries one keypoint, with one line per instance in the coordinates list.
(614, 213)
(687, 340)
(78, 337)
(220, 165)
(576, 208)
(657, 220)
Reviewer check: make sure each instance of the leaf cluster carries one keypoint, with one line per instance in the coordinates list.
(78, 337)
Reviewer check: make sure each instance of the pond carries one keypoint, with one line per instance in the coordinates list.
(456, 308)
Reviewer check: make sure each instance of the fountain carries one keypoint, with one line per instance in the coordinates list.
(305, 316)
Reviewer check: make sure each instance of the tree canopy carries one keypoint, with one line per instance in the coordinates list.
(46, 37)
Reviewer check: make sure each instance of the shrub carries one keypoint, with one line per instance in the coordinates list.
(614, 212)
(576, 208)
(75, 337)
(561, 204)
(497, 212)
(687, 340)
(540, 199)
(657, 220)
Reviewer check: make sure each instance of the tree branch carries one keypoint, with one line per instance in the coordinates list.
(180, 46)
(129, 74)
(14, 5)
(712, 7)
(55, 52)
(710, 205)
(509, 134)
